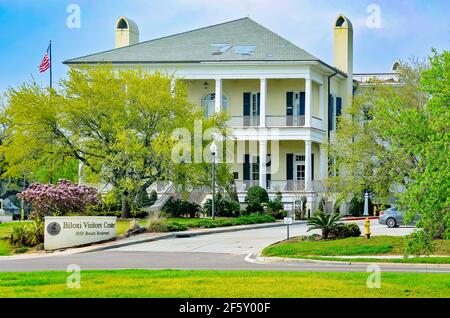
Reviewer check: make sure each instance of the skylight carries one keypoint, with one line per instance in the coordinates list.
(244, 49)
(237, 49)
(221, 48)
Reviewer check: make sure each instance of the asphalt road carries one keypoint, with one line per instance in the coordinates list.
(222, 251)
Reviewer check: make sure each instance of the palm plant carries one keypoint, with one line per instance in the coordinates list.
(324, 222)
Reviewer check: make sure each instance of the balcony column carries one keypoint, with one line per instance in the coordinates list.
(308, 176)
(323, 164)
(263, 163)
(218, 95)
(262, 102)
(308, 102)
(322, 105)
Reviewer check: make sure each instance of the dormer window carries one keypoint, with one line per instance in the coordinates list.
(122, 24)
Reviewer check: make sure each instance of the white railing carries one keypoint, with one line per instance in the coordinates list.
(317, 123)
(243, 121)
(244, 185)
(281, 185)
(285, 121)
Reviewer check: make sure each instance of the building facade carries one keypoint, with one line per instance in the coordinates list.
(282, 102)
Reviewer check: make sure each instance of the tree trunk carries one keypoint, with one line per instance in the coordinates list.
(125, 206)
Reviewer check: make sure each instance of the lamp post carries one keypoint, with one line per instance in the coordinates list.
(366, 204)
(213, 149)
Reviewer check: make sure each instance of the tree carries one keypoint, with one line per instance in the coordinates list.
(324, 222)
(65, 197)
(117, 123)
(394, 142)
(256, 196)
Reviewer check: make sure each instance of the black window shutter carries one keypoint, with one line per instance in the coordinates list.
(302, 104)
(338, 106)
(289, 166)
(246, 106)
(289, 103)
(312, 166)
(330, 112)
(268, 174)
(246, 167)
(258, 99)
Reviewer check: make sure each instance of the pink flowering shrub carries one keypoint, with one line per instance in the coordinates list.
(61, 199)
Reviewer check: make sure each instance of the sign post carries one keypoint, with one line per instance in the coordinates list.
(288, 221)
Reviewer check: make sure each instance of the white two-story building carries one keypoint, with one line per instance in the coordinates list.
(282, 101)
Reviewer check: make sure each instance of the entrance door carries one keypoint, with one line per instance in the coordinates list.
(300, 172)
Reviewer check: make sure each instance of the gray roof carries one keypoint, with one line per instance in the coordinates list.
(237, 40)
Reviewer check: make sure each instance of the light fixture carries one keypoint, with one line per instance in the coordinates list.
(205, 84)
(213, 149)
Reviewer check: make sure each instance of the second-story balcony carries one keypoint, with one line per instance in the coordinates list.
(274, 121)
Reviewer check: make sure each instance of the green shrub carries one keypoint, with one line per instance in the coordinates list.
(346, 230)
(156, 224)
(18, 235)
(175, 226)
(27, 234)
(223, 206)
(256, 196)
(181, 208)
(419, 243)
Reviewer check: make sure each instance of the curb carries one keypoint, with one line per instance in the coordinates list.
(191, 233)
(271, 260)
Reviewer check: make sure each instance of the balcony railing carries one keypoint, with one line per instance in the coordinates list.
(281, 185)
(244, 185)
(243, 121)
(285, 121)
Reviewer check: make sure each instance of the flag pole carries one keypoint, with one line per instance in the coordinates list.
(51, 110)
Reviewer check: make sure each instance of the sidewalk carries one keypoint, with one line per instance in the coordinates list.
(146, 237)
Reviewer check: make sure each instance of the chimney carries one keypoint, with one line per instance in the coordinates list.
(343, 45)
(127, 32)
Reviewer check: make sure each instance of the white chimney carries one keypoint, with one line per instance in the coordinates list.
(127, 32)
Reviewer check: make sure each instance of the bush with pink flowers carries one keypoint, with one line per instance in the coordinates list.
(61, 199)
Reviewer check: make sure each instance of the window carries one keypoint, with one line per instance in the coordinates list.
(300, 172)
(300, 158)
(236, 175)
(255, 168)
(208, 104)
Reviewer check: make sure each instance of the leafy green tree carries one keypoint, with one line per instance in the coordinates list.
(117, 123)
(394, 142)
(255, 198)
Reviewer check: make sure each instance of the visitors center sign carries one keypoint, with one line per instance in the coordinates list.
(68, 231)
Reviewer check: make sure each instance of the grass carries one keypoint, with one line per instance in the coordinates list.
(5, 248)
(377, 245)
(242, 284)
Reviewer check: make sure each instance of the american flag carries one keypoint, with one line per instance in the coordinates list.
(45, 64)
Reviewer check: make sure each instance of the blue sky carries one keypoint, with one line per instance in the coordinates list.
(408, 28)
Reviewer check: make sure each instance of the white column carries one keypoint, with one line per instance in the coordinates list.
(308, 176)
(218, 95)
(262, 102)
(323, 162)
(322, 105)
(262, 163)
(308, 102)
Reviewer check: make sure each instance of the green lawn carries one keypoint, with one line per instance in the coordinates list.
(176, 283)
(5, 248)
(377, 245)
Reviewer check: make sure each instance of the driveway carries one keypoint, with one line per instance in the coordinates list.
(243, 242)
(220, 251)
